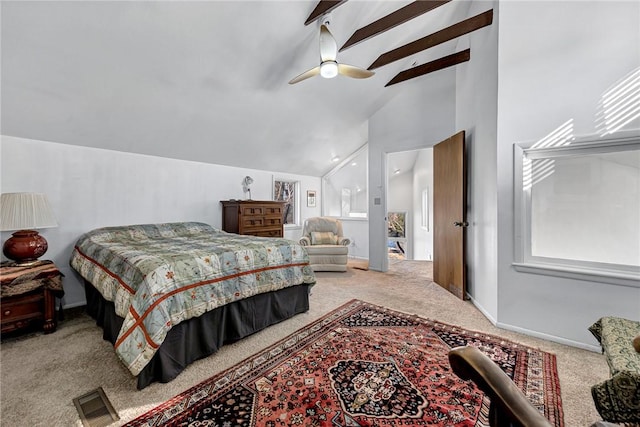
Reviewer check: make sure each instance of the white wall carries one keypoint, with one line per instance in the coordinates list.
(413, 119)
(423, 180)
(400, 192)
(358, 231)
(552, 69)
(476, 113)
(90, 188)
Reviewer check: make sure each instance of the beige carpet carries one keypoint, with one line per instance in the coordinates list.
(41, 374)
(358, 264)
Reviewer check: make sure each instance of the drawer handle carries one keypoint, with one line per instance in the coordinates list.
(7, 312)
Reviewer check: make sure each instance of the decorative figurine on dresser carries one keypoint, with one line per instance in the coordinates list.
(28, 295)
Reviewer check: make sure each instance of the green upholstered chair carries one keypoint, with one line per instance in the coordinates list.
(618, 398)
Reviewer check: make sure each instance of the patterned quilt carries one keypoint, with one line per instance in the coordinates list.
(158, 275)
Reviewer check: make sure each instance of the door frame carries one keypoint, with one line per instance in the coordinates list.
(381, 225)
(384, 260)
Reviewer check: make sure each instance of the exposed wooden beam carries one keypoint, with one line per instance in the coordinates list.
(429, 67)
(324, 6)
(393, 19)
(449, 33)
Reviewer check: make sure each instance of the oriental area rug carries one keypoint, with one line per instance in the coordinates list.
(361, 365)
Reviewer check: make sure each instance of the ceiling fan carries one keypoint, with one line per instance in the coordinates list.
(329, 67)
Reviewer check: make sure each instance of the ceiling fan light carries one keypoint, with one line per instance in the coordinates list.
(329, 69)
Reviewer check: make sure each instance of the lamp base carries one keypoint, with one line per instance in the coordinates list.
(25, 247)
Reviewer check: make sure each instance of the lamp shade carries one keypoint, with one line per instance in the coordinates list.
(25, 211)
(247, 181)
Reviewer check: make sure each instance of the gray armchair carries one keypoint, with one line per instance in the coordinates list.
(328, 249)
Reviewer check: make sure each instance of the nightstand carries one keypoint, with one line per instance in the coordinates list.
(28, 295)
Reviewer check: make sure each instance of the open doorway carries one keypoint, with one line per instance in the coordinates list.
(397, 236)
(410, 205)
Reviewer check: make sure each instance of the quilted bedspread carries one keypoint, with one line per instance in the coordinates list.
(158, 275)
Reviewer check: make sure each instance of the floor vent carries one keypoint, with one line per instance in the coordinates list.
(95, 409)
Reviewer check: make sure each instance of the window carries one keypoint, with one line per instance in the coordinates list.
(287, 191)
(344, 189)
(424, 218)
(578, 209)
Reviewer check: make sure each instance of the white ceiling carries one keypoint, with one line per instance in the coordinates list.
(402, 162)
(204, 81)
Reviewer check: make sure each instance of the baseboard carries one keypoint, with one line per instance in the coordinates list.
(484, 312)
(559, 340)
(74, 305)
(524, 331)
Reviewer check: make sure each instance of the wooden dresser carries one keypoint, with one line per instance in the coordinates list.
(254, 217)
(29, 294)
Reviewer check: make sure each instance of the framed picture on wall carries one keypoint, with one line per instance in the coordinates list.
(397, 225)
(311, 198)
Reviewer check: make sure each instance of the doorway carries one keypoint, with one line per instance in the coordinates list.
(409, 205)
(448, 223)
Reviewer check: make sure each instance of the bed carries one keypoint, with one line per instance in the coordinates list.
(166, 295)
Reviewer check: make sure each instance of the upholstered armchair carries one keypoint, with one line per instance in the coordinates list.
(618, 398)
(328, 249)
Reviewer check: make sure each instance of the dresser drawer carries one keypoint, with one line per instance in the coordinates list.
(276, 232)
(252, 210)
(23, 307)
(273, 221)
(273, 211)
(249, 222)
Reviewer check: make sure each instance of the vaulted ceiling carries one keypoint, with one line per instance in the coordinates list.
(208, 81)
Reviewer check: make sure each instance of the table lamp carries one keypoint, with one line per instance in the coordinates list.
(246, 182)
(25, 212)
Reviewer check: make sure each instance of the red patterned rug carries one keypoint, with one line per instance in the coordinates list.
(361, 365)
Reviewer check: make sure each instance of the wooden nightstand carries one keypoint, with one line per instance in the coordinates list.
(28, 295)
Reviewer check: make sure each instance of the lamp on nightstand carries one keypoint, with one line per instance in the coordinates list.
(25, 212)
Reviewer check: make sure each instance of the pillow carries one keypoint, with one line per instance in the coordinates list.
(323, 238)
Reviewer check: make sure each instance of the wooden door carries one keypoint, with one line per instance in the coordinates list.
(449, 215)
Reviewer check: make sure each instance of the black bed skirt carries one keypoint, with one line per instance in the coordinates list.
(201, 336)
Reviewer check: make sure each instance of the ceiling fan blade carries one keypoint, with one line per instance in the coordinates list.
(328, 45)
(354, 72)
(307, 74)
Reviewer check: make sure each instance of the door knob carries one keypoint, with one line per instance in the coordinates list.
(461, 224)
